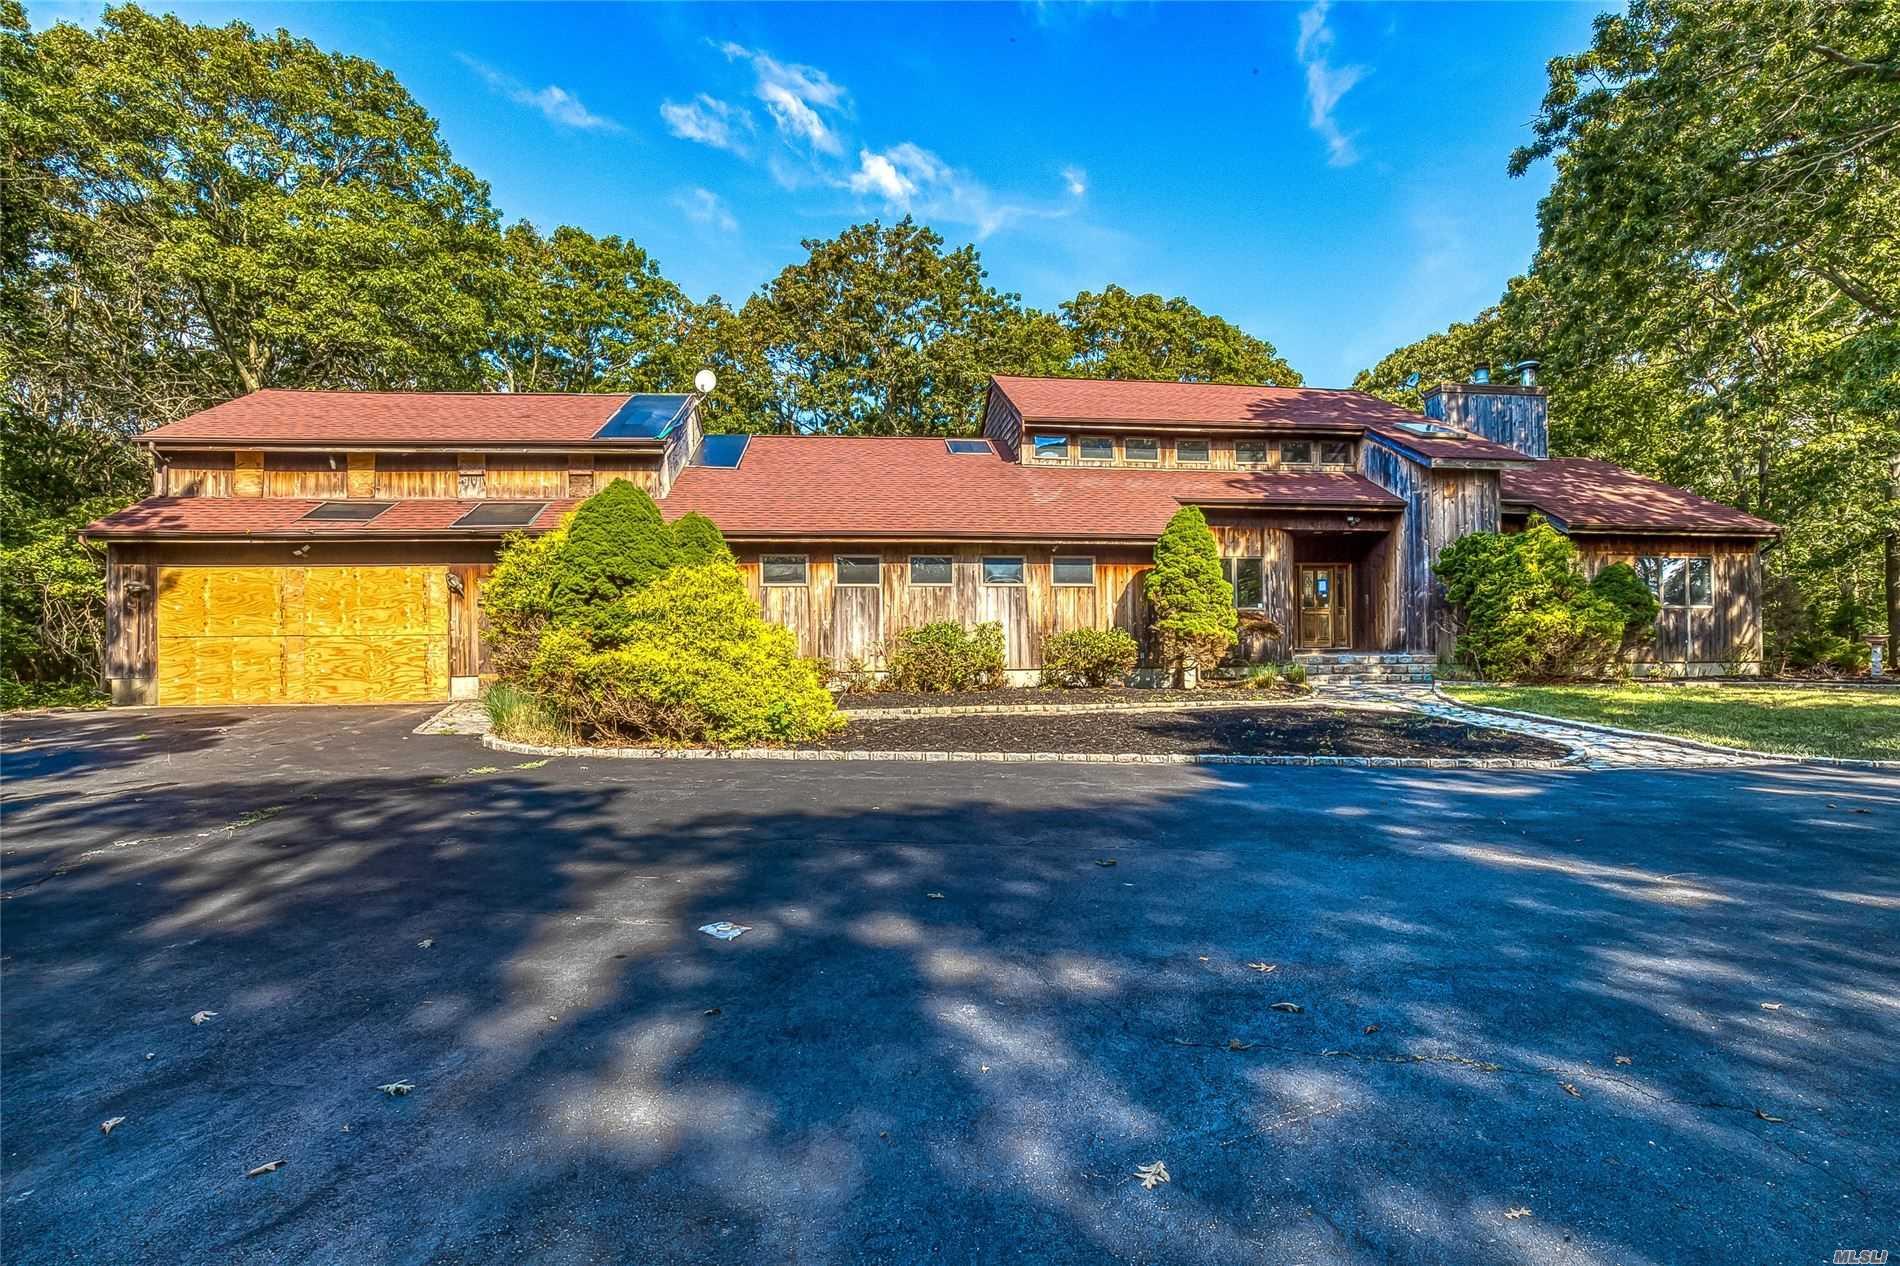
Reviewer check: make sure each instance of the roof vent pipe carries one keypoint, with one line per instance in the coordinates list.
(1482, 372)
(1527, 373)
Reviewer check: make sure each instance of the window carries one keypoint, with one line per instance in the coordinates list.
(930, 569)
(1052, 448)
(1296, 452)
(1250, 452)
(782, 570)
(1191, 452)
(856, 569)
(1679, 582)
(1098, 448)
(965, 448)
(1141, 450)
(515, 514)
(347, 511)
(1002, 571)
(1246, 576)
(1335, 452)
(1074, 571)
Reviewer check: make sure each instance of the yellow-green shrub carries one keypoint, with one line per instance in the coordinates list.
(1088, 657)
(944, 657)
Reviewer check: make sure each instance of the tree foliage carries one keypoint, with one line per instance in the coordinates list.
(1193, 603)
(697, 539)
(1116, 334)
(616, 544)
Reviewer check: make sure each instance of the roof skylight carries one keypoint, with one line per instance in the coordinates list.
(643, 417)
(513, 514)
(346, 511)
(1431, 429)
(968, 447)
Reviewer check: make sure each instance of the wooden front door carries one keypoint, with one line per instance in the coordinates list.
(1325, 606)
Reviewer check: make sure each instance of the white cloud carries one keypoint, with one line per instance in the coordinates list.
(556, 103)
(1326, 83)
(703, 206)
(1076, 179)
(908, 177)
(794, 95)
(709, 121)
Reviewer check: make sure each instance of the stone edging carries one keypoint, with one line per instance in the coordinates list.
(1075, 758)
(1045, 709)
(1719, 749)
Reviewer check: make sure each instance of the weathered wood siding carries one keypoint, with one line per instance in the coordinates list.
(1501, 412)
(468, 650)
(1003, 425)
(1725, 634)
(419, 475)
(198, 475)
(525, 477)
(306, 475)
(131, 651)
(1440, 507)
(640, 471)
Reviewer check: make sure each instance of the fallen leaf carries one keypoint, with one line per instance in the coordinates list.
(486, 769)
(983, 1068)
(1372, 1028)
(1517, 1213)
(151, 1054)
(1235, 1044)
(425, 943)
(1104, 861)
(934, 896)
(1863, 811)
(202, 1016)
(1622, 1059)
(1772, 1120)
(1771, 1006)
(112, 1123)
(1292, 1007)
(396, 1088)
(1571, 1090)
(1203, 958)
(1263, 967)
(268, 1167)
(532, 764)
(1152, 1176)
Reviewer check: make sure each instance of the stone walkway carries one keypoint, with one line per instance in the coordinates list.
(1591, 748)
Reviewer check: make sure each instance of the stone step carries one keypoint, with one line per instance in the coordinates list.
(1323, 684)
(1310, 658)
(1364, 670)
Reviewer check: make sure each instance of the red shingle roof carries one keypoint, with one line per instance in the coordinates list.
(1197, 404)
(1592, 495)
(424, 418)
(791, 486)
(159, 517)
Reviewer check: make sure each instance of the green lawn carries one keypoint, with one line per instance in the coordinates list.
(1855, 723)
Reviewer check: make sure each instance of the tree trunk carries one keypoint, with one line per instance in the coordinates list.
(1893, 554)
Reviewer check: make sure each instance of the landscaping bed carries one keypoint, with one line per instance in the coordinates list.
(1845, 724)
(1038, 696)
(1281, 730)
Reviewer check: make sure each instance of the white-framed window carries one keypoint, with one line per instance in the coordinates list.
(1335, 452)
(784, 571)
(1075, 570)
(1141, 449)
(931, 569)
(1001, 569)
(1250, 452)
(1679, 582)
(859, 570)
(1247, 576)
(1191, 452)
(1296, 452)
(1051, 448)
(1098, 448)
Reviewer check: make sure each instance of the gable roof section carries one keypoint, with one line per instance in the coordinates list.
(274, 418)
(807, 486)
(1586, 495)
(1267, 409)
(239, 518)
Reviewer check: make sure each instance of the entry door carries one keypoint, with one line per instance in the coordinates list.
(1325, 605)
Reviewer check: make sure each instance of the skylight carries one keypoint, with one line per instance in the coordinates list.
(502, 514)
(347, 511)
(723, 451)
(968, 447)
(643, 417)
(1432, 429)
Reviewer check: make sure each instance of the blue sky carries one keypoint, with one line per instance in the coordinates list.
(1330, 178)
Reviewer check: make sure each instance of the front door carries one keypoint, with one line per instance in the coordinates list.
(1325, 605)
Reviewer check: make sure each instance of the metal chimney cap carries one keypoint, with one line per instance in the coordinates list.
(1481, 373)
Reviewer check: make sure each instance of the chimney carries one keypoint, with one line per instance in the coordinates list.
(1516, 414)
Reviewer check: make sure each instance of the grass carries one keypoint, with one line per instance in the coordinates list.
(520, 717)
(1860, 724)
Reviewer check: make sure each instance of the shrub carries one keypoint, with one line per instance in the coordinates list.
(1294, 674)
(692, 661)
(1088, 657)
(697, 539)
(1528, 612)
(517, 599)
(1194, 604)
(616, 544)
(1620, 586)
(855, 677)
(516, 714)
(945, 657)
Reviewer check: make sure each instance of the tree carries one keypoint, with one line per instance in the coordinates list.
(1194, 604)
(1117, 334)
(616, 544)
(586, 313)
(697, 539)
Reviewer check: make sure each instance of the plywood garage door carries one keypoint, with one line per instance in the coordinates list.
(302, 634)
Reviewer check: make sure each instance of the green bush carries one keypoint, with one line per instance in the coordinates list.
(52, 610)
(692, 661)
(616, 544)
(1528, 612)
(1194, 604)
(945, 658)
(517, 599)
(1294, 674)
(1088, 657)
(1620, 586)
(697, 539)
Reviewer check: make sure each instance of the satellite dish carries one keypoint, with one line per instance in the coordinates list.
(704, 381)
(1411, 381)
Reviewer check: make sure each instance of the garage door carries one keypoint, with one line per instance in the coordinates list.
(302, 634)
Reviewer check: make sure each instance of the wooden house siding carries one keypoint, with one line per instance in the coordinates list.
(419, 475)
(1725, 634)
(1002, 425)
(198, 475)
(641, 472)
(1440, 507)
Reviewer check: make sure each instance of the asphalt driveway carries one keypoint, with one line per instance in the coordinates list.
(1573, 1017)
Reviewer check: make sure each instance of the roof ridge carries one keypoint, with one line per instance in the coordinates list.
(1175, 382)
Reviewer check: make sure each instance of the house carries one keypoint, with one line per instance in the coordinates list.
(317, 546)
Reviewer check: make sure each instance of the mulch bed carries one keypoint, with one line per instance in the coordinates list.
(1281, 730)
(1009, 695)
